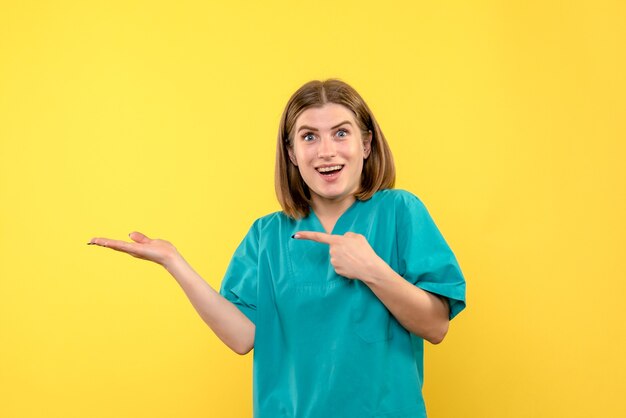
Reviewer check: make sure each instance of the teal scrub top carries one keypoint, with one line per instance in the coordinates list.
(326, 346)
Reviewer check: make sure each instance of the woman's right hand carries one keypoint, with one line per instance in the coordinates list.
(221, 315)
(157, 250)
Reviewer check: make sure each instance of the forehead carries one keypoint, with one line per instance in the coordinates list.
(325, 117)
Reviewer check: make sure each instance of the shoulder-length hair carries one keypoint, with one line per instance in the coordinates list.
(378, 169)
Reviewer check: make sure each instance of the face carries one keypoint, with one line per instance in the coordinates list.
(329, 151)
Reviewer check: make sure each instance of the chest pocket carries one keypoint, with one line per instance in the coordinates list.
(310, 267)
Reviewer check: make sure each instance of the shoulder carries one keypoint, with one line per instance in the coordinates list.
(398, 199)
(272, 222)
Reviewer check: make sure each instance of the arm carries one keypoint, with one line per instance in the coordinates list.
(227, 322)
(221, 315)
(420, 312)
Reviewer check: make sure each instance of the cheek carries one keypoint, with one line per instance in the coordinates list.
(296, 156)
(356, 152)
(304, 154)
(360, 167)
(360, 159)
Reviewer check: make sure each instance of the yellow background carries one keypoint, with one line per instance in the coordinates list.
(506, 117)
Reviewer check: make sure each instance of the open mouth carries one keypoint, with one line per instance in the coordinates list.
(329, 171)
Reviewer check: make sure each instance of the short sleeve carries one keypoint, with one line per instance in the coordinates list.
(240, 280)
(425, 259)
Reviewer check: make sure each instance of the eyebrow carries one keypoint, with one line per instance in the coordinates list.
(315, 129)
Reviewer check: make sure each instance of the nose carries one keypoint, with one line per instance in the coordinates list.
(327, 148)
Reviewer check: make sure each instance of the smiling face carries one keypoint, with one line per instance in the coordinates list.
(329, 151)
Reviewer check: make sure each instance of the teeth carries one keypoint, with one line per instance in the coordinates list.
(325, 169)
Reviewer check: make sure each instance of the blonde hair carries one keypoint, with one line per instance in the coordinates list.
(378, 169)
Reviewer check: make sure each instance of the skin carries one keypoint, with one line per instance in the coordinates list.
(330, 143)
(327, 136)
(420, 312)
(227, 322)
(351, 256)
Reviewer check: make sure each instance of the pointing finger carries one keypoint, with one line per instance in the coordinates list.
(315, 236)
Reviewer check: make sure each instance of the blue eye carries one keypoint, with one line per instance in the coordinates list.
(342, 131)
(308, 137)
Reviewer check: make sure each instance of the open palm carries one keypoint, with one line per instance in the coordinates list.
(156, 250)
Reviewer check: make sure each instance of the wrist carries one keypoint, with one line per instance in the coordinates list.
(378, 272)
(174, 262)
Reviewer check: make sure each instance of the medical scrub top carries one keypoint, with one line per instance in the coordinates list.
(325, 346)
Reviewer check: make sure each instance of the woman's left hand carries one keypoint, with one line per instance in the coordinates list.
(350, 254)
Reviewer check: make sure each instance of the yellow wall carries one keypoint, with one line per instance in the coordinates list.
(506, 118)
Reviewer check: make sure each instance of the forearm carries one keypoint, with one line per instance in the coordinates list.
(222, 316)
(422, 313)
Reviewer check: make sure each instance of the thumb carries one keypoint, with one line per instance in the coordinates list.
(139, 237)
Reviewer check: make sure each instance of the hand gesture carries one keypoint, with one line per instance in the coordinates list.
(156, 250)
(350, 254)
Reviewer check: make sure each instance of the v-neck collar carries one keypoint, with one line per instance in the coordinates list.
(335, 229)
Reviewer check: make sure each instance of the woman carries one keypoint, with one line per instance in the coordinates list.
(337, 292)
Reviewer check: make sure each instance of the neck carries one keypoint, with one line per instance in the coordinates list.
(328, 211)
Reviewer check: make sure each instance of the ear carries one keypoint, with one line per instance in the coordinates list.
(292, 156)
(367, 145)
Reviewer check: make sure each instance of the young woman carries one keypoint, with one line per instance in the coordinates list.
(338, 291)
